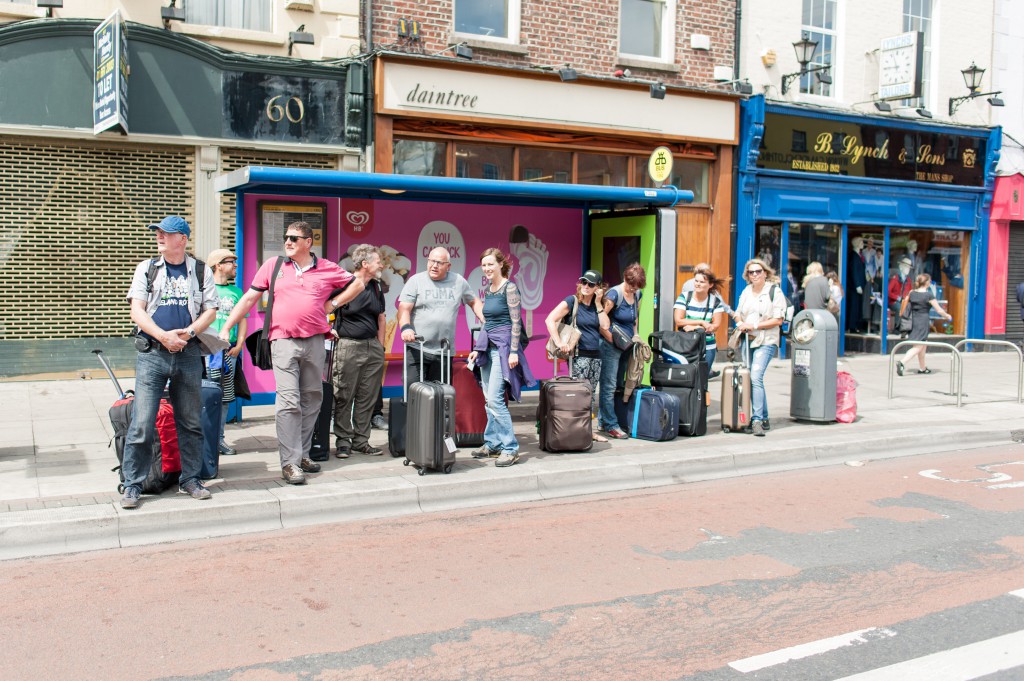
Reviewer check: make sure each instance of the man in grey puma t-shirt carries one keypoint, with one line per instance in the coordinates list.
(429, 307)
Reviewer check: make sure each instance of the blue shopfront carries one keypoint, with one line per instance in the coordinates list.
(876, 199)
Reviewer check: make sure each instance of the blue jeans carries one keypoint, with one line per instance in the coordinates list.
(152, 371)
(709, 356)
(758, 365)
(498, 435)
(611, 372)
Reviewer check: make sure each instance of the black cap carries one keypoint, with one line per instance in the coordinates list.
(593, 276)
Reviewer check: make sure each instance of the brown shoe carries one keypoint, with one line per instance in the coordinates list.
(367, 449)
(293, 475)
(309, 466)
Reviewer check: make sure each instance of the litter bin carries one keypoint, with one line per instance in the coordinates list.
(815, 347)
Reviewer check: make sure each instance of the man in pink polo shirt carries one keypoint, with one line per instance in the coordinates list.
(297, 328)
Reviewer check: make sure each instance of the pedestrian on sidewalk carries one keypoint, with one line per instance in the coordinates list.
(298, 328)
(498, 358)
(816, 291)
(358, 356)
(224, 266)
(702, 309)
(172, 300)
(759, 313)
(621, 311)
(922, 302)
(586, 356)
(428, 307)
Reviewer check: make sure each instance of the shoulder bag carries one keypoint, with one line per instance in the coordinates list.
(568, 334)
(258, 343)
(906, 320)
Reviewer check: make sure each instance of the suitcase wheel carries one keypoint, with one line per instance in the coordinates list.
(421, 471)
(726, 428)
(406, 462)
(448, 468)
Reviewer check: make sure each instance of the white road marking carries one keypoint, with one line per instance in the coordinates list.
(1019, 593)
(933, 473)
(959, 664)
(752, 664)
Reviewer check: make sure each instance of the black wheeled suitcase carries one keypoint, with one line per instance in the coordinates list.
(320, 446)
(564, 415)
(213, 404)
(430, 425)
(688, 382)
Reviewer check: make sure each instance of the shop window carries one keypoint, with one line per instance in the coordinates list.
(810, 242)
(483, 161)
(686, 174)
(252, 15)
(602, 169)
(767, 243)
(799, 141)
(490, 19)
(917, 16)
(819, 24)
(545, 165)
(419, 157)
(647, 29)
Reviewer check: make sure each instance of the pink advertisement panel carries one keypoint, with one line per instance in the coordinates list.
(544, 244)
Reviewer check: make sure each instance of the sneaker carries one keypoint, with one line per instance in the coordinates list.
(618, 434)
(757, 428)
(766, 425)
(506, 459)
(367, 449)
(293, 475)
(900, 368)
(309, 466)
(714, 374)
(227, 451)
(342, 451)
(485, 452)
(131, 498)
(195, 489)
(378, 422)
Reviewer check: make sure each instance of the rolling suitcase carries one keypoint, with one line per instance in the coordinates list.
(688, 382)
(430, 428)
(320, 446)
(736, 407)
(564, 414)
(398, 407)
(683, 347)
(653, 415)
(212, 396)
(470, 410)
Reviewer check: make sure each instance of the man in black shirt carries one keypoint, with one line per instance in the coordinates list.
(358, 356)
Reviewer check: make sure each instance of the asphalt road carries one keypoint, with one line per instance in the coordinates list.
(899, 569)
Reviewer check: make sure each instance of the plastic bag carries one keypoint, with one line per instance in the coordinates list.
(846, 397)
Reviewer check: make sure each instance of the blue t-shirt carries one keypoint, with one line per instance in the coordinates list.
(586, 322)
(623, 315)
(172, 311)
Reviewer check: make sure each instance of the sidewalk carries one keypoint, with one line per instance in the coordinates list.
(58, 495)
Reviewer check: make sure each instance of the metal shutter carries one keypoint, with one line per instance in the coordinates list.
(1014, 275)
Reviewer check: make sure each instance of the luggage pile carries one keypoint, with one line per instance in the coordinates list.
(680, 370)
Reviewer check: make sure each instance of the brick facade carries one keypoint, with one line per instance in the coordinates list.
(582, 33)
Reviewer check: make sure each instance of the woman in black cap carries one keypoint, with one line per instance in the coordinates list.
(586, 356)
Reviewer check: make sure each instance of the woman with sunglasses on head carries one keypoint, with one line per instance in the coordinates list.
(586, 358)
(498, 359)
(621, 309)
(759, 312)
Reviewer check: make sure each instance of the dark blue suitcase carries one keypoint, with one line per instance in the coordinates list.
(212, 397)
(652, 415)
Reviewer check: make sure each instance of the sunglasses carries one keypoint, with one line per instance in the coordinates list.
(755, 272)
(584, 282)
(295, 237)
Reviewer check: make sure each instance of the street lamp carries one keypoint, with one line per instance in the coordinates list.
(805, 48)
(972, 79)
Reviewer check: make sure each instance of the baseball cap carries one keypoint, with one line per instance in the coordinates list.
(173, 223)
(593, 276)
(219, 255)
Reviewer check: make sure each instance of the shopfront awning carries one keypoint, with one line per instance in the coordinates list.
(266, 180)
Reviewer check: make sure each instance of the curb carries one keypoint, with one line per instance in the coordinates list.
(89, 528)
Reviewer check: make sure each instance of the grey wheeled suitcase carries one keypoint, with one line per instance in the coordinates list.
(430, 423)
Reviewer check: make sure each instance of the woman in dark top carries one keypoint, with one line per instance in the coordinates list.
(497, 356)
(586, 359)
(921, 302)
(621, 309)
(358, 357)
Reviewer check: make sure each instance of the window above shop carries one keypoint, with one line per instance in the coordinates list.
(493, 20)
(917, 16)
(647, 29)
(819, 24)
(250, 15)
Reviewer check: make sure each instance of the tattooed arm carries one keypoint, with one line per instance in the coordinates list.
(515, 311)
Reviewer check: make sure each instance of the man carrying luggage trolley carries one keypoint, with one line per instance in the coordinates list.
(170, 307)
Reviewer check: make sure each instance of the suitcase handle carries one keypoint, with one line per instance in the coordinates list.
(110, 372)
(405, 366)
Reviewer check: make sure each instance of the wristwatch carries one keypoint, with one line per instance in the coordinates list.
(191, 332)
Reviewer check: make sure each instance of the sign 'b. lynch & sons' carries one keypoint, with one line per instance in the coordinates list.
(868, 149)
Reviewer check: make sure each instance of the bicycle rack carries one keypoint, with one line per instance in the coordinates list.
(1002, 343)
(955, 365)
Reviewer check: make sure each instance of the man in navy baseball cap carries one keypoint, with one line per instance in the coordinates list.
(172, 224)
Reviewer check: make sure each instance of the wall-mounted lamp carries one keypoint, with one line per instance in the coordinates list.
(923, 113)
(172, 13)
(972, 79)
(460, 50)
(567, 74)
(50, 5)
(658, 90)
(805, 48)
(742, 87)
(884, 107)
(299, 37)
